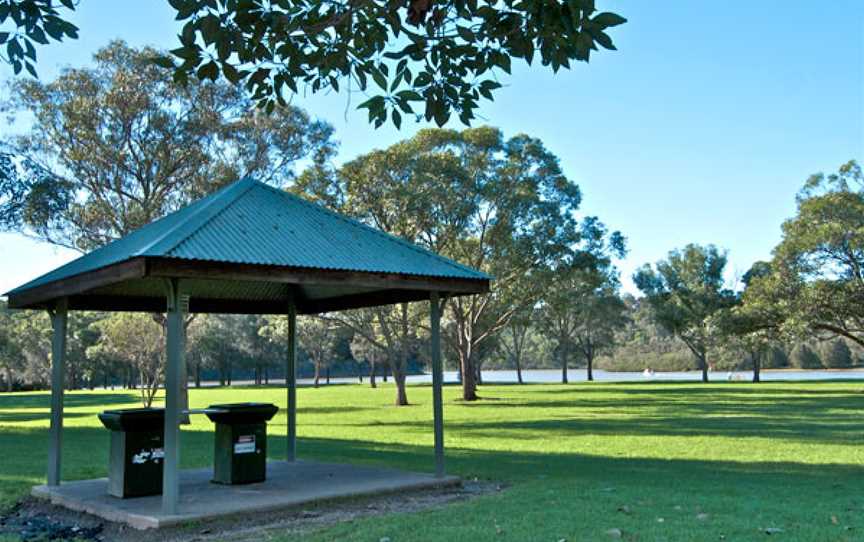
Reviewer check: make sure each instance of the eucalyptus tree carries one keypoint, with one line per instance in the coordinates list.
(598, 318)
(749, 329)
(199, 341)
(516, 338)
(744, 333)
(370, 351)
(386, 333)
(402, 191)
(258, 352)
(685, 291)
(11, 357)
(582, 308)
(116, 145)
(816, 284)
(317, 337)
(501, 206)
(221, 342)
(81, 335)
(32, 334)
(135, 339)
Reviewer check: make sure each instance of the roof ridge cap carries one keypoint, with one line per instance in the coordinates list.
(217, 204)
(390, 236)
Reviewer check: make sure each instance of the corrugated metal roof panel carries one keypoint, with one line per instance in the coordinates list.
(250, 222)
(269, 226)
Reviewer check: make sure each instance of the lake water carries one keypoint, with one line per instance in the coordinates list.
(576, 375)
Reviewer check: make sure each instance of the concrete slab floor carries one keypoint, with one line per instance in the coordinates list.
(287, 485)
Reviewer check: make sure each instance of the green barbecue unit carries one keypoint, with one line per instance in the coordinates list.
(240, 448)
(137, 456)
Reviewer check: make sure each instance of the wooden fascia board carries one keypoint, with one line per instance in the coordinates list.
(38, 296)
(202, 269)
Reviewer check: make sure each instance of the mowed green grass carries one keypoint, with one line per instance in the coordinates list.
(658, 461)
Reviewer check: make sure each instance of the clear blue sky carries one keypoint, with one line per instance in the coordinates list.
(700, 128)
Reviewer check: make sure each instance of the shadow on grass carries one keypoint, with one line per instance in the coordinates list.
(829, 417)
(672, 387)
(848, 432)
(71, 400)
(331, 410)
(86, 455)
(520, 465)
(23, 417)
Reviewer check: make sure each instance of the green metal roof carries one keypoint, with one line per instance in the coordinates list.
(250, 222)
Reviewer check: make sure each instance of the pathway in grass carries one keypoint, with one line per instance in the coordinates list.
(655, 461)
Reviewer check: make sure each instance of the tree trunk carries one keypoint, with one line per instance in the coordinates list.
(230, 370)
(701, 359)
(266, 376)
(197, 375)
(9, 384)
(704, 365)
(564, 379)
(519, 371)
(590, 359)
(469, 385)
(327, 375)
(372, 382)
(401, 366)
(317, 374)
(757, 368)
(147, 389)
(401, 395)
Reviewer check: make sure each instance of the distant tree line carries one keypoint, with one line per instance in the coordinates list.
(804, 304)
(126, 350)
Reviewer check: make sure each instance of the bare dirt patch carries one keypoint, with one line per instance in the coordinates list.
(36, 520)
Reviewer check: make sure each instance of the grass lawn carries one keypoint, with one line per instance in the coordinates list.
(658, 461)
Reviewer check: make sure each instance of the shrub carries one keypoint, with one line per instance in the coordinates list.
(836, 354)
(803, 357)
(775, 358)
